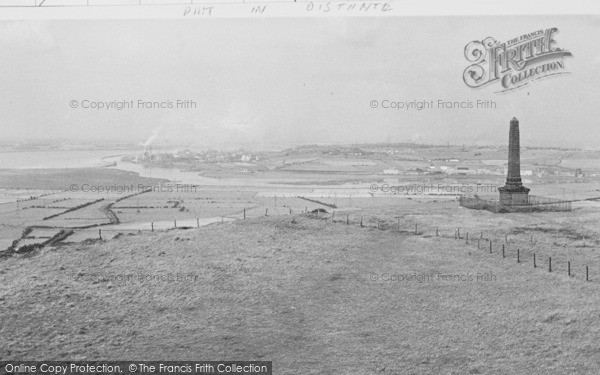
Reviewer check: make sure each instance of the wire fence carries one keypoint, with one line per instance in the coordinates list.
(534, 204)
(507, 246)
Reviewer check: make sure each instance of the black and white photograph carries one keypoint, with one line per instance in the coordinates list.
(299, 187)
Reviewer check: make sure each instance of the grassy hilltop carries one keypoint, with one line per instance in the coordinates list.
(312, 295)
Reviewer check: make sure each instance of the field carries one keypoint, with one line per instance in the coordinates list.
(316, 296)
(336, 267)
(316, 260)
(285, 182)
(58, 199)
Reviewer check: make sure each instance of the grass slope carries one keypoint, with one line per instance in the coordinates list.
(307, 295)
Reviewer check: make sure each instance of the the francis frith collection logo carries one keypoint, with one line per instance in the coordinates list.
(516, 62)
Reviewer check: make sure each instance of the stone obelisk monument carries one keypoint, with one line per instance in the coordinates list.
(513, 192)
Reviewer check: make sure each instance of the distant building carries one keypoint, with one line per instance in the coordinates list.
(524, 172)
(184, 154)
(391, 171)
(462, 170)
(246, 158)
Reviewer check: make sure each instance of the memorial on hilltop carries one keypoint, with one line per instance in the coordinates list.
(513, 192)
(514, 197)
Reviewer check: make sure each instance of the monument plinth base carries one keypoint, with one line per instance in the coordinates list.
(513, 195)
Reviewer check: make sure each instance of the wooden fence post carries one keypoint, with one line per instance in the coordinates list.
(549, 264)
(244, 214)
(503, 256)
(152, 225)
(534, 265)
(518, 257)
(100, 233)
(569, 268)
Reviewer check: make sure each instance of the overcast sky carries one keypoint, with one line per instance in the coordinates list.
(288, 80)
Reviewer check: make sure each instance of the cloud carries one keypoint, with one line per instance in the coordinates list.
(355, 34)
(29, 36)
(240, 117)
